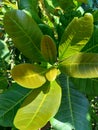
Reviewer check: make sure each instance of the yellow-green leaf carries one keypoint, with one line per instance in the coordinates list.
(81, 65)
(51, 74)
(38, 108)
(28, 75)
(48, 49)
(83, 1)
(76, 35)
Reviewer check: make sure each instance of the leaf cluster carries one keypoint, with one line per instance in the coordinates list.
(56, 44)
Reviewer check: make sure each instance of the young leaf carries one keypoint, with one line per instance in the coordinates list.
(48, 49)
(81, 65)
(76, 35)
(28, 75)
(10, 101)
(25, 33)
(51, 74)
(73, 113)
(38, 108)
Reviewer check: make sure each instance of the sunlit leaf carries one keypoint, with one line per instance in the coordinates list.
(73, 113)
(38, 108)
(48, 49)
(51, 5)
(81, 65)
(51, 74)
(10, 101)
(4, 51)
(25, 33)
(28, 75)
(9, 4)
(58, 125)
(76, 35)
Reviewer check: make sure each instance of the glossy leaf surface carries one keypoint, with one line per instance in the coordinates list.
(48, 49)
(25, 33)
(28, 75)
(76, 35)
(81, 65)
(51, 74)
(10, 101)
(73, 113)
(38, 108)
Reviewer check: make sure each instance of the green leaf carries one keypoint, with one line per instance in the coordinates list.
(83, 1)
(90, 3)
(58, 125)
(38, 108)
(14, 129)
(73, 113)
(28, 75)
(4, 51)
(3, 83)
(48, 49)
(51, 5)
(95, 15)
(81, 65)
(76, 35)
(25, 33)
(87, 86)
(31, 7)
(47, 30)
(10, 101)
(92, 45)
(8, 4)
(66, 4)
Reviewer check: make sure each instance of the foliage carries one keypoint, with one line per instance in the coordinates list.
(48, 54)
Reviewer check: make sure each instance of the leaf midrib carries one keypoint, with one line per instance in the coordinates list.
(37, 110)
(16, 103)
(33, 75)
(26, 34)
(69, 100)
